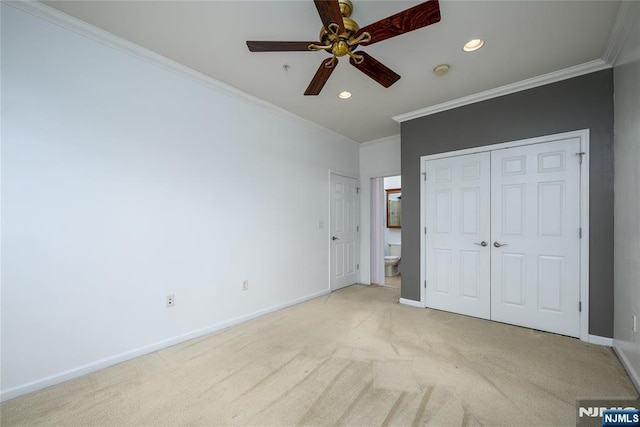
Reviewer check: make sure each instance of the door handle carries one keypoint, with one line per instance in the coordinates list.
(498, 244)
(483, 244)
(334, 238)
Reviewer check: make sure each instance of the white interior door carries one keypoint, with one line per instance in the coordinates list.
(535, 212)
(457, 234)
(344, 231)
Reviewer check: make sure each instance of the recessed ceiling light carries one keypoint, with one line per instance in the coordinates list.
(472, 45)
(344, 95)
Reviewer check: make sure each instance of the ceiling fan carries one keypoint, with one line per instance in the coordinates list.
(341, 35)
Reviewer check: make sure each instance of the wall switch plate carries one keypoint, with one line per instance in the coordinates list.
(245, 285)
(171, 300)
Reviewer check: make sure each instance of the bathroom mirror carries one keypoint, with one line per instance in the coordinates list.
(394, 208)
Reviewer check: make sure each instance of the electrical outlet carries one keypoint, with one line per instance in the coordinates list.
(634, 324)
(245, 285)
(171, 300)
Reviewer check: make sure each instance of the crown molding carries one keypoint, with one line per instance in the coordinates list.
(54, 16)
(545, 79)
(627, 14)
(386, 139)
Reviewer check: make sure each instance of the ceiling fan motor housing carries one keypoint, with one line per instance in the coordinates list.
(343, 43)
(346, 8)
(340, 45)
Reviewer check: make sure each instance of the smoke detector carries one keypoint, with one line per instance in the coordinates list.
(441, 69)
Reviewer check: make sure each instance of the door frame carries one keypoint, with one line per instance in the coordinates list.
(329, 224)
(365, 212)
(583, 136)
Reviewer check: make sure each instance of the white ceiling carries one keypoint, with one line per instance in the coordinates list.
(524, 39)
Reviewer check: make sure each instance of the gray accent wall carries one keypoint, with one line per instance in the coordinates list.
(584, 102)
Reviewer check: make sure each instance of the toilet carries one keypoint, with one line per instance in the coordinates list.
(391, 261)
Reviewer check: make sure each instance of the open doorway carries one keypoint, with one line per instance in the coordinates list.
(386, 226)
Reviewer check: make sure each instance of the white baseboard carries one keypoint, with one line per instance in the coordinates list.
(411, 302)
(598, 340)
(626, 363)
(122, 357)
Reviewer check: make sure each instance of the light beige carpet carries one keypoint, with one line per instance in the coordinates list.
(355, 357)
(393, 281)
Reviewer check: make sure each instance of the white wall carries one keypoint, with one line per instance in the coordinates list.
(377, 158)
(627, 204)
(123, 182)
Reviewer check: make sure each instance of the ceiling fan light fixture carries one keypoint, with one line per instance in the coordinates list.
(473, 45)
(341, 36)
(344, 94)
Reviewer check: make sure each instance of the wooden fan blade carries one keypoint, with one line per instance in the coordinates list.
(321, 77)
(329, 11)
(267, 46)
(375, 69)
(408, 20)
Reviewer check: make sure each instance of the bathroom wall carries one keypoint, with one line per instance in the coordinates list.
(391, 235)
(377, 158)
(123, 182)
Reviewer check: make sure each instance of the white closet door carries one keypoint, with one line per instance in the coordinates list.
(535, 217)
(457, 218)
(344, 231)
